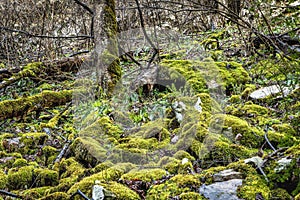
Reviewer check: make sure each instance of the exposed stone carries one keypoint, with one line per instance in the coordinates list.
(270, 90)
(227, 174)
(221, 190)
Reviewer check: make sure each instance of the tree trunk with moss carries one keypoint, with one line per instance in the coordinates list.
(106, 48)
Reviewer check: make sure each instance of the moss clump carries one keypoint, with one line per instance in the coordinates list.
(251, 108)
(110, 174)
(249, 88)
(49, 154)
(253, 185)
(251, 137)
(235, 99)
(56, 196)
(227, 153)
(177, 185)
(284, 128)
(32, 141)
(170, 164)
(280, 193)
(20, 178)
(281, 139)
(35, 193)
(88, 150)
(297, 197)
(69, 168)
(120, 191)
(45, 177)
(183, 154)
(3, 180)
(146, 175)
(19, 162)
(190, 196)
(284, 174)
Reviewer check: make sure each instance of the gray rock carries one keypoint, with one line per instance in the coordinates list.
(227, 174)
(271, 90)
(221, 190)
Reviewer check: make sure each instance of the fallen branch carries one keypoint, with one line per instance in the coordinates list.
(22, 106)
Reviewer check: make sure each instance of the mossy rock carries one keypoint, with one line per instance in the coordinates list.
(20, 178)
(110, 174)
(35, 193)
(227, 153)
(281, 194)
(32, 141)
(285, 174)
(69, 167)
(278, 139)
(120, 191)
(297, 197)
(252, 186)
(170, 164)
(251, 137)
(87, 150)
(146, 175)
(228, 74)
(176, 186)
(45, 177)
(19, 162)
(49, 154)
(285, 128)
(191, 196)
(3, 180)
(56, 196)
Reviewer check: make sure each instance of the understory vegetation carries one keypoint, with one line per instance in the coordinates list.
(204, 90)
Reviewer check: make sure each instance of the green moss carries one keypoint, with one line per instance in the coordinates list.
(177, 185)
(170, 164)
(56, 196)
(250, 108)
(297, 197)
(69, 167)
(227, 153)
(147, 175)
(251, 137)
(88, 150)
(249, 88)
(228, 74)
(235, 99)
(191, 196)
(3, 180)
(34, 193)
(20, 178)
(20, 162)
(253, 185)
(101, 166)
(207, 175)
(49, 154)
(284, 128)
(45, 177)
(120, 191)
(280, 193)
(285, 175)
(110, 174)
(183, 154)
(281, 139)
(32, 141)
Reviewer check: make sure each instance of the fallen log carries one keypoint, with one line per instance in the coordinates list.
(24, 105)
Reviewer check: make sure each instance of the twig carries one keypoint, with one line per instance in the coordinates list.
(44, 36)
(85, 6)
(78, 192)
(145, 33)
(10, 194)
(268, 141)
(62, 152)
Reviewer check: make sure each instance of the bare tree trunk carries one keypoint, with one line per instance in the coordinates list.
(106, 48)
